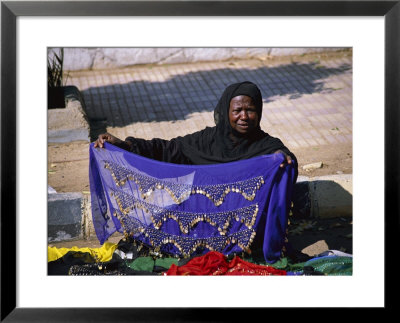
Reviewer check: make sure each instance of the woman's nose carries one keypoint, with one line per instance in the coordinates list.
(243, 115)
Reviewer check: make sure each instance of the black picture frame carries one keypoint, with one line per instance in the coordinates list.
(10, 10)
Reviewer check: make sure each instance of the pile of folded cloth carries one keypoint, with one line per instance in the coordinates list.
(130, 257)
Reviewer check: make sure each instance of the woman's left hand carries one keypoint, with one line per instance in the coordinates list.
(288, 159)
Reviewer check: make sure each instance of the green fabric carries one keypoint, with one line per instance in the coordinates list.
(148, 263)
(142, 264)
(283, 263)
(332, 265)
(287, 264)
(280, 264)
(329, 265)
(166, 262)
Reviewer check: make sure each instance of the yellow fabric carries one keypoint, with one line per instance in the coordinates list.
(102, 254)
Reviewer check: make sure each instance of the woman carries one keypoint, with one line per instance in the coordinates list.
(256, 211)
(236, 136)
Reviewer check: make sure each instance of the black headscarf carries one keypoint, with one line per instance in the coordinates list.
(218, 144)
(222, 144)
(221, 117)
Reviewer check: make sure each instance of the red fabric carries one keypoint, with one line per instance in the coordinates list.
(215, 263)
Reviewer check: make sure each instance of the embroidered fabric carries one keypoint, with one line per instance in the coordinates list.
(181, 209)
(186, 245)
(186, 220)
(179, 192)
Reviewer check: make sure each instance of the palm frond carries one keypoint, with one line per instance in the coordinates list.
(55, 71)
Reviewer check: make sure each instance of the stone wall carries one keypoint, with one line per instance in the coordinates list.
(105, 58)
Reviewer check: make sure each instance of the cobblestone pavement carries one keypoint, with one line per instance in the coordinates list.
(307, 100)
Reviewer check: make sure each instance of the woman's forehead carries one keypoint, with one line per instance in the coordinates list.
(242, 98)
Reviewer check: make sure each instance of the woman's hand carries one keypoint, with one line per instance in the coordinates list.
(109, 138)
(288, 159)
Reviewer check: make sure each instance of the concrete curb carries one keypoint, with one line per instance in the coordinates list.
(69, 123)
(323, 196)
(65, 213)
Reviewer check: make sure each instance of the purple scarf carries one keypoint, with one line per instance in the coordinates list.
(183, 209)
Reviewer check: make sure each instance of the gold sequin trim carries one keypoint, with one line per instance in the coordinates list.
(186, 245)
(186, 220)
(180, 192)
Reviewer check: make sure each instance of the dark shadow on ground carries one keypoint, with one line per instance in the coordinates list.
(321, 217)
(334, 233)
(119, 105)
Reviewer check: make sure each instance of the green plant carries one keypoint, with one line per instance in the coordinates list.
(55, 71)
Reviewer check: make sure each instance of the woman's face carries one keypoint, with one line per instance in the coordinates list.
(243, 116)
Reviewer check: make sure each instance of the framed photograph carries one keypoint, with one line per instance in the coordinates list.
(370, 28)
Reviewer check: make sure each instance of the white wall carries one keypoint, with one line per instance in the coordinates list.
(104, 58)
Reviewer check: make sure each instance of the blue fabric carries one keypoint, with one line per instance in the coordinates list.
(181, 209)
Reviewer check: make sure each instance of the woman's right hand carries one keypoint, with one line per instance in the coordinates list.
(288, 159)
(109, 138)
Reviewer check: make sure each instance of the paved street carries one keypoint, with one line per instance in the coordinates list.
(307, 101)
